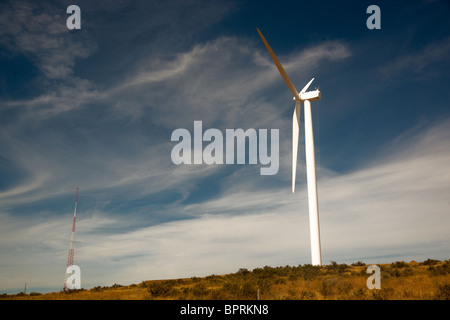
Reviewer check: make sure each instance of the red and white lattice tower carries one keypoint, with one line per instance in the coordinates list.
(72, 240)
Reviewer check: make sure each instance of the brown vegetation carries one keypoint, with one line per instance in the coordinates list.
(428, 280)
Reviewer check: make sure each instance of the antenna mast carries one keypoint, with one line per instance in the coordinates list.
(72, 240)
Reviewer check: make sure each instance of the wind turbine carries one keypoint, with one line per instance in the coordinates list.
(306, 98)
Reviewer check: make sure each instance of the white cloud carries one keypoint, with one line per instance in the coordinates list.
(221, 82)
(428, 61)
(39, 32)
(394, 209)
(165, 92)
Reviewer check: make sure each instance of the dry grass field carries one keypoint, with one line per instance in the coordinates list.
(427, 280)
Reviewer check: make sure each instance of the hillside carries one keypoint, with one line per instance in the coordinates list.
(427, 280)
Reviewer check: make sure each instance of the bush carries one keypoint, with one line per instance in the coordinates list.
(231, 289)
(71, 291)
(393, 272)
(430, 262)
(443, 292)
(307, 295)
(398, 264)
(336, 268)
(360, 293)
(243, 271)
(291, 295)
(442, 270)
(407, 272)
(243, 289)
(264, 285)
(266, 272)
(328, 287)
(382, 294)
(200, 290)
(293, 277)
(213, 278)
(344, 287)
(160, 289)
(219, 294)
(309, 271)
(248, 291)
(97, 289)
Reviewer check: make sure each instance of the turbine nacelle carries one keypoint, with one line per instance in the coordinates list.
(310, 95)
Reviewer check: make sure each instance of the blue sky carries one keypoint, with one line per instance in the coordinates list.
(96, 107)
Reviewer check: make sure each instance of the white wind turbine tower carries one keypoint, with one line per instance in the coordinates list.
(305, 97)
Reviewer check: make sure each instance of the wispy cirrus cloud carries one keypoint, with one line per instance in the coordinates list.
(39, 31)
(186, 81)
(430, 60)
(371, 214)
(162, 88)
(220, 81)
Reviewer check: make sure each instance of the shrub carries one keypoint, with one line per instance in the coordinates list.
(248, 290)
(398, 264)
(213, 278)
(243, 271)
(266, 272)
(443, 291)
(309, 271)
(430, 262)
(307, 295)
(293, 277)
(407, 272)
(337, 268)
(219, 294)
(360, 293)
(390, 271)
(264, 285)
(71, 291)
(440, 270)
(231, 288)
(160, 289)
(200, 290)
(382, 294)
(327, 287)
(344, 287)
(291, 295)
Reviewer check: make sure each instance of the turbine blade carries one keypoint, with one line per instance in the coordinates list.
(295, 134)
(280, 68)
(307, 86)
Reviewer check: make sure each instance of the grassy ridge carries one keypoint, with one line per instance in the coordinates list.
(428, 280)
